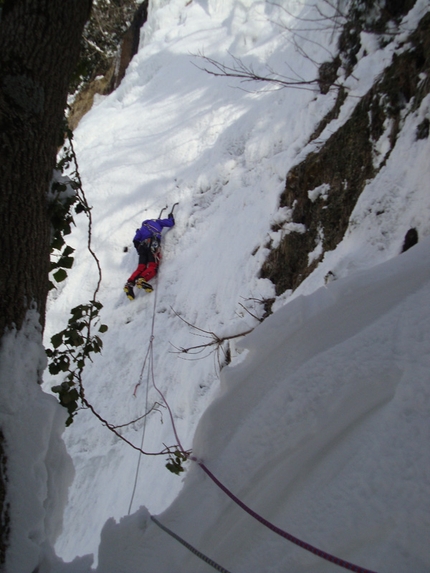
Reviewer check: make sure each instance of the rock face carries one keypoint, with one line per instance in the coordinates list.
(323, 189)
(111, 80)
(129, 44)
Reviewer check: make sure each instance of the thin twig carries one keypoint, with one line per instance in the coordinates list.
(167, 450)
(250, 313)
(247, 74)
(216, 340)
(154, 408)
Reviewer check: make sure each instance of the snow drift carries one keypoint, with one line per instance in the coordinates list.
(322, 430)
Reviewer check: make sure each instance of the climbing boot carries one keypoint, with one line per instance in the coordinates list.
(140, 283)
(128, 289)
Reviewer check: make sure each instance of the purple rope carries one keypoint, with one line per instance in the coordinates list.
(281, 532)
(252, 513)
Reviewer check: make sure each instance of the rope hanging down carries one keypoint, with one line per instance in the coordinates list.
(144, 427)
(149, 354)
(281, 532)
(303, 544)
(196, 552)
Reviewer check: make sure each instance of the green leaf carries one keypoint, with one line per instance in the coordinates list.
(57, 243)
(59, 187)
(97, 344)
(78, 325)
(69, 399)
(78, 312)
(174, 468)
(54, 369)
(103, 328)
(74, 338)
(88, 349)
(60, 275)
(66, 262)
(61, 364)
(68, 251)
(57, 339)
(67, 229)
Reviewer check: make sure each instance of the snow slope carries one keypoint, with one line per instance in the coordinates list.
(317, 424)
(323, 430)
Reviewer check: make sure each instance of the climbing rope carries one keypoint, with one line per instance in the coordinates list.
(150, 355)
(149, 352)
(141, 444)
(303, 544)
(281, 532)
(196, 552)
(171, 416)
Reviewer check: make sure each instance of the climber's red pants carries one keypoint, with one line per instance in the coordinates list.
(146, 272)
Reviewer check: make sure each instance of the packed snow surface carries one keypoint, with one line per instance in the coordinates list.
(38, 469)
(320, 423)
(322, 430)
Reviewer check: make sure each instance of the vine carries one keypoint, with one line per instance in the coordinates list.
(63, 194)
(175, 461)
(74, 345)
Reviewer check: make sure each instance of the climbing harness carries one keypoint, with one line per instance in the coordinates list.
(196, 552)
(153, 242)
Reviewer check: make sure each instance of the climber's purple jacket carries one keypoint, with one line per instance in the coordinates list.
(152, 228)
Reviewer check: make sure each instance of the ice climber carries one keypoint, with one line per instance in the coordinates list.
(147, 241)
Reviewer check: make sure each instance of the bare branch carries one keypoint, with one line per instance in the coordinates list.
(215, 342)
(109, 426)
(246, 73)
(324, 22)
(154, 408)
(250, 313)
(208, 332)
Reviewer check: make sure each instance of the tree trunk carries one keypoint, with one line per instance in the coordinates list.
(39, 47)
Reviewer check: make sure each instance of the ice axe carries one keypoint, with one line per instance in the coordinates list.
(162, 210)
(172, 209)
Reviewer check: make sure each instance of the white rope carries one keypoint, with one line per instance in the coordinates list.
(141, 446)
(149, 354)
